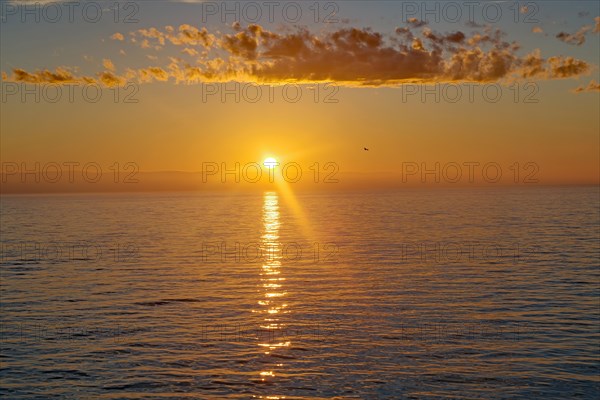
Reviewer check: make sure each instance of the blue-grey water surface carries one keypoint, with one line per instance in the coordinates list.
(441, 293)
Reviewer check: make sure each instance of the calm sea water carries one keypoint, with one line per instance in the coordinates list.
(487, 293)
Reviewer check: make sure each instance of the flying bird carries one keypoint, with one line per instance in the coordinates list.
(365, 149)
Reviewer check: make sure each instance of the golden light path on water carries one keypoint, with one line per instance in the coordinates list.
(272, 300)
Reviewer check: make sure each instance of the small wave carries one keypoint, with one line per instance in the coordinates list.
(166, 301)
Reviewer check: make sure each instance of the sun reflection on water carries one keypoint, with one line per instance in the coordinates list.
(272, 303)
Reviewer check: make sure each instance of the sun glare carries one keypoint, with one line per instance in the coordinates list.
(270, 162)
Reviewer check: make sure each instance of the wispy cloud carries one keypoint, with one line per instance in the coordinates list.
(593, 86)
(578, 38)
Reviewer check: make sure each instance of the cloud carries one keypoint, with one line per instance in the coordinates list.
(245, 42)
(415, 22)
(480, 66)
(185, 35)
(152, 74)
(537, 29)
(555, 67)
(62, 75)
(117, 36)
(108, 78)
(578, 38)
(567, 67)
(190, 52)
(533, 65)
(348, 56)
(405, 33)
(108, 64)
(593, 86)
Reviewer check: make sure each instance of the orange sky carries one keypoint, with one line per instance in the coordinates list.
(529, 99)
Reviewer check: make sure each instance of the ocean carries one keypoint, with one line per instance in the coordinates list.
(419, 293)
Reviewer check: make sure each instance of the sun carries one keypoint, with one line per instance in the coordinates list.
(270, 162)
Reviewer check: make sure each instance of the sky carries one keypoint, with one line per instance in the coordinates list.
(167, 90)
